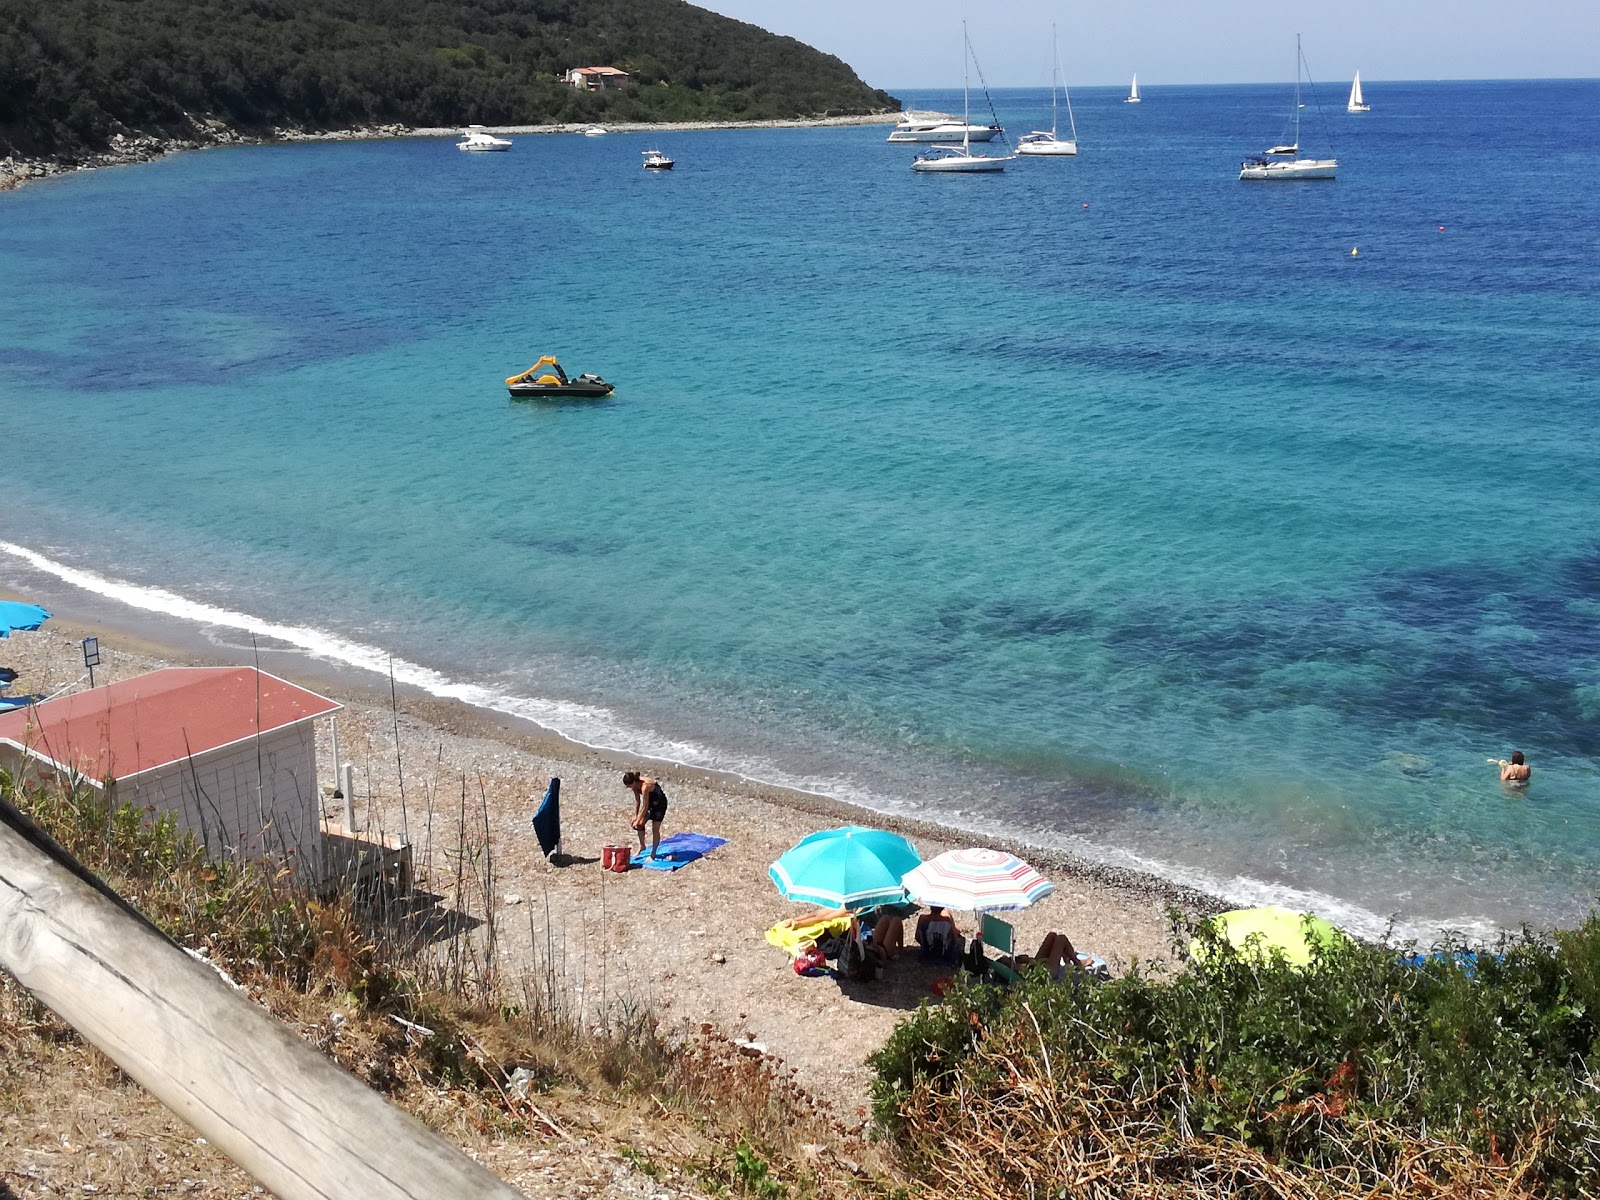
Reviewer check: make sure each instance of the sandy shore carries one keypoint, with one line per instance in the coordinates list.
(688, 943)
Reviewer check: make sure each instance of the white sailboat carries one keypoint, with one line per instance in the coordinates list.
(1133, 92)
(1284, 162)
(961, 158)
(1039, 142)
(1357, 101)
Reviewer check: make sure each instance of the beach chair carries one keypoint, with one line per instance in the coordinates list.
(998, 933)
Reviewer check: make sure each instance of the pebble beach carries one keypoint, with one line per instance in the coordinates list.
(687, 944)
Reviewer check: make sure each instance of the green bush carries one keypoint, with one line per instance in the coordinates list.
(1487, 1049)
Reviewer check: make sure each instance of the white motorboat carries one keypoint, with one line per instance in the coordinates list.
(654, 160)
(595, 131)
(1133, 92)
(1284, 161)
(1357, 102)
(1048, 144)
(476, 137)
(937, 127)
(960, 159)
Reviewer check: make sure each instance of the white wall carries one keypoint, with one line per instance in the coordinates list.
(257, 798)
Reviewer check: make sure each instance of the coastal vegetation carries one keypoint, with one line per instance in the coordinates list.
(74, 74)
(1457, 1074)
(1454, 1074)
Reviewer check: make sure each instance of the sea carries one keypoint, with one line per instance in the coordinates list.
(1212, 529)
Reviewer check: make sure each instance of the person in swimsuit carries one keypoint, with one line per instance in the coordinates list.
(649, 804)
(1516, 772)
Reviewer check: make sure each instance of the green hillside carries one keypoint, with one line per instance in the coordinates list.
(75, 72)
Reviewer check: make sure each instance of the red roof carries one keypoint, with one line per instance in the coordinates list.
(123, 729)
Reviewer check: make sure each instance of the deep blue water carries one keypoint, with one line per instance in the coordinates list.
(1108, 501)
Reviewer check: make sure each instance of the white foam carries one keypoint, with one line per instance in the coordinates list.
(600, 729)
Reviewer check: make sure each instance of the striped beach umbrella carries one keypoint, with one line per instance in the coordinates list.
(977, 880)
(851, 867)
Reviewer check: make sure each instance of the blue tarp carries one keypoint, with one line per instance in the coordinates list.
(679, 850)
(16, 615)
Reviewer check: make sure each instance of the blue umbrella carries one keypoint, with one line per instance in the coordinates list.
(16, 615)
(852, 867)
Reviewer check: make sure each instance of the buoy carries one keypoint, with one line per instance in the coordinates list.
(1086, 206)
(1354, 252)
(1441, 229)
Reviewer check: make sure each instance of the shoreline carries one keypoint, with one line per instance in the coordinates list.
(126, 151)
(687, 944)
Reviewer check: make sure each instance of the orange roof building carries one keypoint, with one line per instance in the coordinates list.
(229, 751)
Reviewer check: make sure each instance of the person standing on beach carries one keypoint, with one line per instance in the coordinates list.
(1516, 772)
(649, 804)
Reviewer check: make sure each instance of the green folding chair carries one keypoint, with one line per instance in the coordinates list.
(997, 933)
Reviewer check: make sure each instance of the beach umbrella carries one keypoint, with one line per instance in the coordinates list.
(1260, 931)
(16, 615)
(978, 881)
(851, 867)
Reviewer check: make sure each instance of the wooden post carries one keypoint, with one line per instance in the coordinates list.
(349, 825)
(299, 1124)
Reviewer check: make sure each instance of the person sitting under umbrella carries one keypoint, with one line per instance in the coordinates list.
(938, 935)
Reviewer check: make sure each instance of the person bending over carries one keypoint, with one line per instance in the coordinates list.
(649, 805)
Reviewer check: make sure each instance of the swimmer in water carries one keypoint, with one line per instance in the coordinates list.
(1514, 772)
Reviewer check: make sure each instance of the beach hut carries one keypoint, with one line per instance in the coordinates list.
(229, 751)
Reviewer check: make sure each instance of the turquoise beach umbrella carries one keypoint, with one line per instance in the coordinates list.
(16, 615)
(851, 867)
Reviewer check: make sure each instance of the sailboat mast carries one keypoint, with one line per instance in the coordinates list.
(966, 114)
(1055, 84)
(1297, 59)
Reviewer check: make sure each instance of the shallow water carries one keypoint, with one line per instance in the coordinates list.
(1109, 501)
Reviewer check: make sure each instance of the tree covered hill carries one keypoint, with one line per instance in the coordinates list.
(73, 73)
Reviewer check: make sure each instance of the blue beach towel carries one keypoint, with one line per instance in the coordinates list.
(547, 821)
(679, 850)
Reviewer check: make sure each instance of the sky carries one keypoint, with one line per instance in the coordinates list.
(1168, 41)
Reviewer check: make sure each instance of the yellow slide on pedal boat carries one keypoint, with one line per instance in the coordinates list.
(535, 382)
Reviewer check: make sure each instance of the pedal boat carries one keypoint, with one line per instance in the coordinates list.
(532, 384)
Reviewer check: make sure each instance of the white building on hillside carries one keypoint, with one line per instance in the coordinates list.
(595, 79)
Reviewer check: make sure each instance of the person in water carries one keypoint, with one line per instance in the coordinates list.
(1516, 771)
(649, 805)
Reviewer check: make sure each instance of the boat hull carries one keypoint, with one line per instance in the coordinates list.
(945, 133)
(1358, 108)
(960, 165)
(484, 149)
(1297, 168)
(542, 391)
(1047, 149)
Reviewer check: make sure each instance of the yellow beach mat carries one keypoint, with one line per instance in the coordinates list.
(792, 940)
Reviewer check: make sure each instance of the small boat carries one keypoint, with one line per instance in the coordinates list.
(1133, 92)
(595, 131)
(1284, 161)
(1357, 102)
(960, 159)
(554, 382)
(654, 160)
(1039, 142)
(476, 137)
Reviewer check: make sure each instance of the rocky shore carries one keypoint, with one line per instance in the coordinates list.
(128, 149)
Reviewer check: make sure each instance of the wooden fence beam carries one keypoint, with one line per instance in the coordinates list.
(299, 1124)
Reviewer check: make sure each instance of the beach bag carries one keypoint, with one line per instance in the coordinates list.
(810, 961)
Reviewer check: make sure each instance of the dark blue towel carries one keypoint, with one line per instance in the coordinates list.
(679, 850)
(547, 821)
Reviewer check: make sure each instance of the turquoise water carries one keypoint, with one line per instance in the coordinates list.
(1108, 502)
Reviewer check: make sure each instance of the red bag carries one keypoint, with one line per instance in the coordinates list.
(809, 961)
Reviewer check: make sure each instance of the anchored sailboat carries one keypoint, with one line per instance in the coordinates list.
(1284, 162)
(1357, 102)
(1039, 142)
(961, 158)
(1133, 92)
